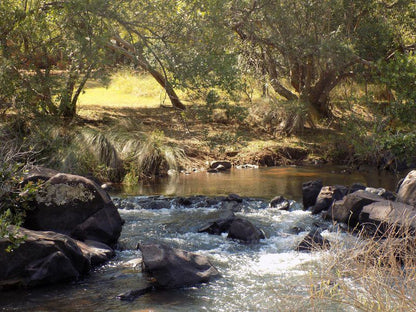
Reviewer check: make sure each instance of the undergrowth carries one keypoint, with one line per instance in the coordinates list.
(120, 152)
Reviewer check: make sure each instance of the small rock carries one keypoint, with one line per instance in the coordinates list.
(226, 165)
(280, 203)
(313, 241)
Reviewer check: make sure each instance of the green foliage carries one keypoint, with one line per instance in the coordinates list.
(14, 202)
(40, 38)
(400, 146)
(217, 110)
(399, 74)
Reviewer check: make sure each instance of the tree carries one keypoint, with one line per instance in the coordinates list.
(311, 45)
(180, 43)
(48, 52)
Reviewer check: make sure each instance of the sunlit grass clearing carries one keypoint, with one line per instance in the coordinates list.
(126, 89)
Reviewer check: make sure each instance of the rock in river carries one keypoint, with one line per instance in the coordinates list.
(75, 206)
(310, 191)
(47, 258)
(244, 231)
(176, 268)
(407, 190)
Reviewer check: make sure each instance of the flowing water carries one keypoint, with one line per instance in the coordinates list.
(268, 276)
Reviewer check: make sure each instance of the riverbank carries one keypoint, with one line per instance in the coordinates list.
(125, 133)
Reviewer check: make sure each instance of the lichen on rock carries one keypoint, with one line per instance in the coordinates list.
(61, 194)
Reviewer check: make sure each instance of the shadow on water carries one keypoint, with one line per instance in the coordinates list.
(261, 183)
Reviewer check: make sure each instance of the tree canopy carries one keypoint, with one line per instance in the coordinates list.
(49, 49)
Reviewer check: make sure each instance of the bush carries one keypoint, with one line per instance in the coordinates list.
(14, 201)
(151, 158)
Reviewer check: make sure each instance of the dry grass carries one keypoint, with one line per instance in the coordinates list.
(375, 273)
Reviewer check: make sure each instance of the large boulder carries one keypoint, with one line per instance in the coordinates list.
(175, 268)
(244, 231)
(310, 191)
(407, 190)
(75, 206)
(349, 208)
(327, 196)
(46, 258)
(380, 216)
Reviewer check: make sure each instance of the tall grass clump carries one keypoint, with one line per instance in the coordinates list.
(107, 161)
(376, 273)
(152, 157)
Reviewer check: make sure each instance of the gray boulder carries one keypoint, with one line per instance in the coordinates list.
(175, 268)
(313, 241)
(75, 206)
(382, 215)
(407, 190)
(349, 208)
(47, 258)
(219, 226)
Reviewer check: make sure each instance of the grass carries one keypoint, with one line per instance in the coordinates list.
(376, 273)
(124, 90)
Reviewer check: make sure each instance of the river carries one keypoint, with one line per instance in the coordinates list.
(268, 276)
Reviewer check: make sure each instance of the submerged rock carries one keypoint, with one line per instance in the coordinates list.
(134, 294)
(75, 206)
(176, 268)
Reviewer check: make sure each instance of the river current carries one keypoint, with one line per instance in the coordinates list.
(267, 276)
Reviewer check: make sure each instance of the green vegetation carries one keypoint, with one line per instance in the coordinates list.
(85, 88)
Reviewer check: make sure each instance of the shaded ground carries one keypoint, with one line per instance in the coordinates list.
(238, 142)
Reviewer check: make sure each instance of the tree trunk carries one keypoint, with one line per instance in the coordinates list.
(67, 109)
